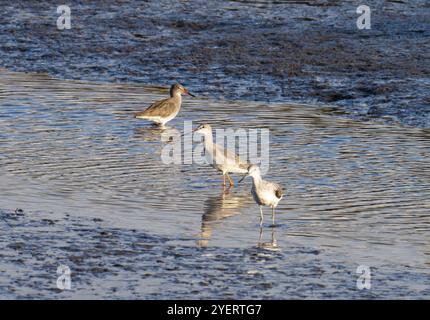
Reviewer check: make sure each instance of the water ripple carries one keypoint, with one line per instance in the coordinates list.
(357, 188)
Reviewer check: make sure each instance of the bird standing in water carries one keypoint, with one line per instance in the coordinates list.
(161, 112)
(221, 159)
(265, 193)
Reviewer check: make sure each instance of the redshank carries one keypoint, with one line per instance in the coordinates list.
(221, 159)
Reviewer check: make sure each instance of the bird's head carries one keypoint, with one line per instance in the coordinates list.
(203, 129)
(253, 170)
(178, 88)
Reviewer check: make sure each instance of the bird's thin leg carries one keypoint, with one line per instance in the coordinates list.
(229, 181)
(274, 242)
(273, 216)
(224, 181)
(261, 216)
(261, 234)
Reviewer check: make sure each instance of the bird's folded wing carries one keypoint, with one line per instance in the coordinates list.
(279, 192)
(233, 157)
(162, 108)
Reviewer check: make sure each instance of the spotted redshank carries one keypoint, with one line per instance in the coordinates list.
(221, 159)
(161, 112)
(265, 193)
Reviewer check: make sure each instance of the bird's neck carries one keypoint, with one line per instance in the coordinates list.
(177, 96)
(209, 140)
(256, 179)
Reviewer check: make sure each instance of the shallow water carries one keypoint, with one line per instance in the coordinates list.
(257, 50)
(357, 193)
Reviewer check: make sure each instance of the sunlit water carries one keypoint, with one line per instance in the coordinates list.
(356, 193)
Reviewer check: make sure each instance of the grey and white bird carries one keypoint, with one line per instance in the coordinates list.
(161, 112)
(265, 193)
(221, 159)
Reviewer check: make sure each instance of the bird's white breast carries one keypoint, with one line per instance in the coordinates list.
(265, 196)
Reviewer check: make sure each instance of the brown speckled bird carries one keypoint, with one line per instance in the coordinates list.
(161, 112)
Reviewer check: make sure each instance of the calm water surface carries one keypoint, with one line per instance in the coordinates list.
(356, 193)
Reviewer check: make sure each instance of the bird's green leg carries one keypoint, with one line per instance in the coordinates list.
(273, 216)
(261, 235)
(261, 215)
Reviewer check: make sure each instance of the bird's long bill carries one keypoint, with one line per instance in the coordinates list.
(243, 178)
(190, 94)
(184, 133)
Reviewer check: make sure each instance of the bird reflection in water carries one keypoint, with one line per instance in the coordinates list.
(217, 208)
(272, 245)
(153, 133)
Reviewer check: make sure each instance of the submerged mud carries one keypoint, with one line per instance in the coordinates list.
(297, 51)
(108, 262)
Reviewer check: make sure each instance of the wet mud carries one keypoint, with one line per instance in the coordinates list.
(283, 51)
(110, 263)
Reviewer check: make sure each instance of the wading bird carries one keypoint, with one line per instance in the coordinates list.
(161, 112)
(221, 159)
(265, 193)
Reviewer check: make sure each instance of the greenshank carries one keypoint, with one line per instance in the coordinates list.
(265, 193)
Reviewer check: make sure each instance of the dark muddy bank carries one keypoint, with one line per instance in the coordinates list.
(107, 262)
(300, 51)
